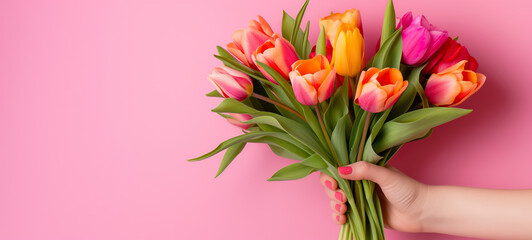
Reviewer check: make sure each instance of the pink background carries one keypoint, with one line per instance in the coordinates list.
(101, 103)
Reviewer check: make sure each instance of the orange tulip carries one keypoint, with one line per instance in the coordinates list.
(453, 85)
(246, 41)
(332, 22)
(312, 80)
(378, 89)
(277, 53)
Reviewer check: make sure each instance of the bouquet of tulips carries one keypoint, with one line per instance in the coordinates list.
(325, 107)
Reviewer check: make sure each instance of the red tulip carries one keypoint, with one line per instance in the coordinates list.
(448, 55)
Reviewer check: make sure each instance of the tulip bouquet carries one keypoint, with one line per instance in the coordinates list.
(326, 107)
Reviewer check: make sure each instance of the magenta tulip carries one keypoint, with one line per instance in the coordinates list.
(420, 39)
(231, 83)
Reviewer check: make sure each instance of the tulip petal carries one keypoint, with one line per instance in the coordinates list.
(305, 93)
(442, 90)
(265, 26)
(327, 86)
(437, 40)
(237, 53)
(251, 40)
(372, 98)
(392, 99)
(405, 21)
(416, 42)
(481, 79)
(285, 55)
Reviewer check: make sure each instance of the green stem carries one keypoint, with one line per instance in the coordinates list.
(263, 98)
(326, 135)
(363, 139)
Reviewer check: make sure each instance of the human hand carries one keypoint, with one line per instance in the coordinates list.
(402, 198)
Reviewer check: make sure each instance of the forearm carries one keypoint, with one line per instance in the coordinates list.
(479, 213)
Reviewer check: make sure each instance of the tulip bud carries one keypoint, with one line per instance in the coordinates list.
(348, 53)
(277, 53)
(453, 85)
(332, 22)
(378, 89)
(450, 53)
(231, 83)
(236, 119)
(312, 80)
(420, 39)
(246, 41)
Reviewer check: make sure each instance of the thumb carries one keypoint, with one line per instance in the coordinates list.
(367, 171)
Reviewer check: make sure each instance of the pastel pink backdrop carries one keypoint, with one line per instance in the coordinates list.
(101, 103)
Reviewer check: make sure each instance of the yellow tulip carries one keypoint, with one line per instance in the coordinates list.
(348, 51)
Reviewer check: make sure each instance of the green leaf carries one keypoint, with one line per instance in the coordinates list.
(369, 154)
(338, 140)
(285, 146)
(214, 93)
(230, 142)
(321, 45)
(338, 107)
(409, 95)
(299, 17)
(414, 125)
(292, 172)
(231, 105)
(229, 155)
(306, 48)
(295, 129)
(314, 161)
(356, 135)
(388, 25)
(390, 53)
(286, 30)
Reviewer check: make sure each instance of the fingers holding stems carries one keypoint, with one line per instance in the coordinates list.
(337, 197)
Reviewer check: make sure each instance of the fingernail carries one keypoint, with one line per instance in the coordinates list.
(338, 207)
(338, 218)
(345, 170)
(328, 184)
(339, 196)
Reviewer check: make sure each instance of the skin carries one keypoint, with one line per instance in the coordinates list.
(411, 206)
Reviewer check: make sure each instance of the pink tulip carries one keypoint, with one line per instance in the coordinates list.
(277, 53)
(231, 83)
(236, 119)
(420, 39)
(246, 41)
(378, 89)
(312, 80)
(453, 85)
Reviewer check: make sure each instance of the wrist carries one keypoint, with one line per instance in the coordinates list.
(426, 214)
